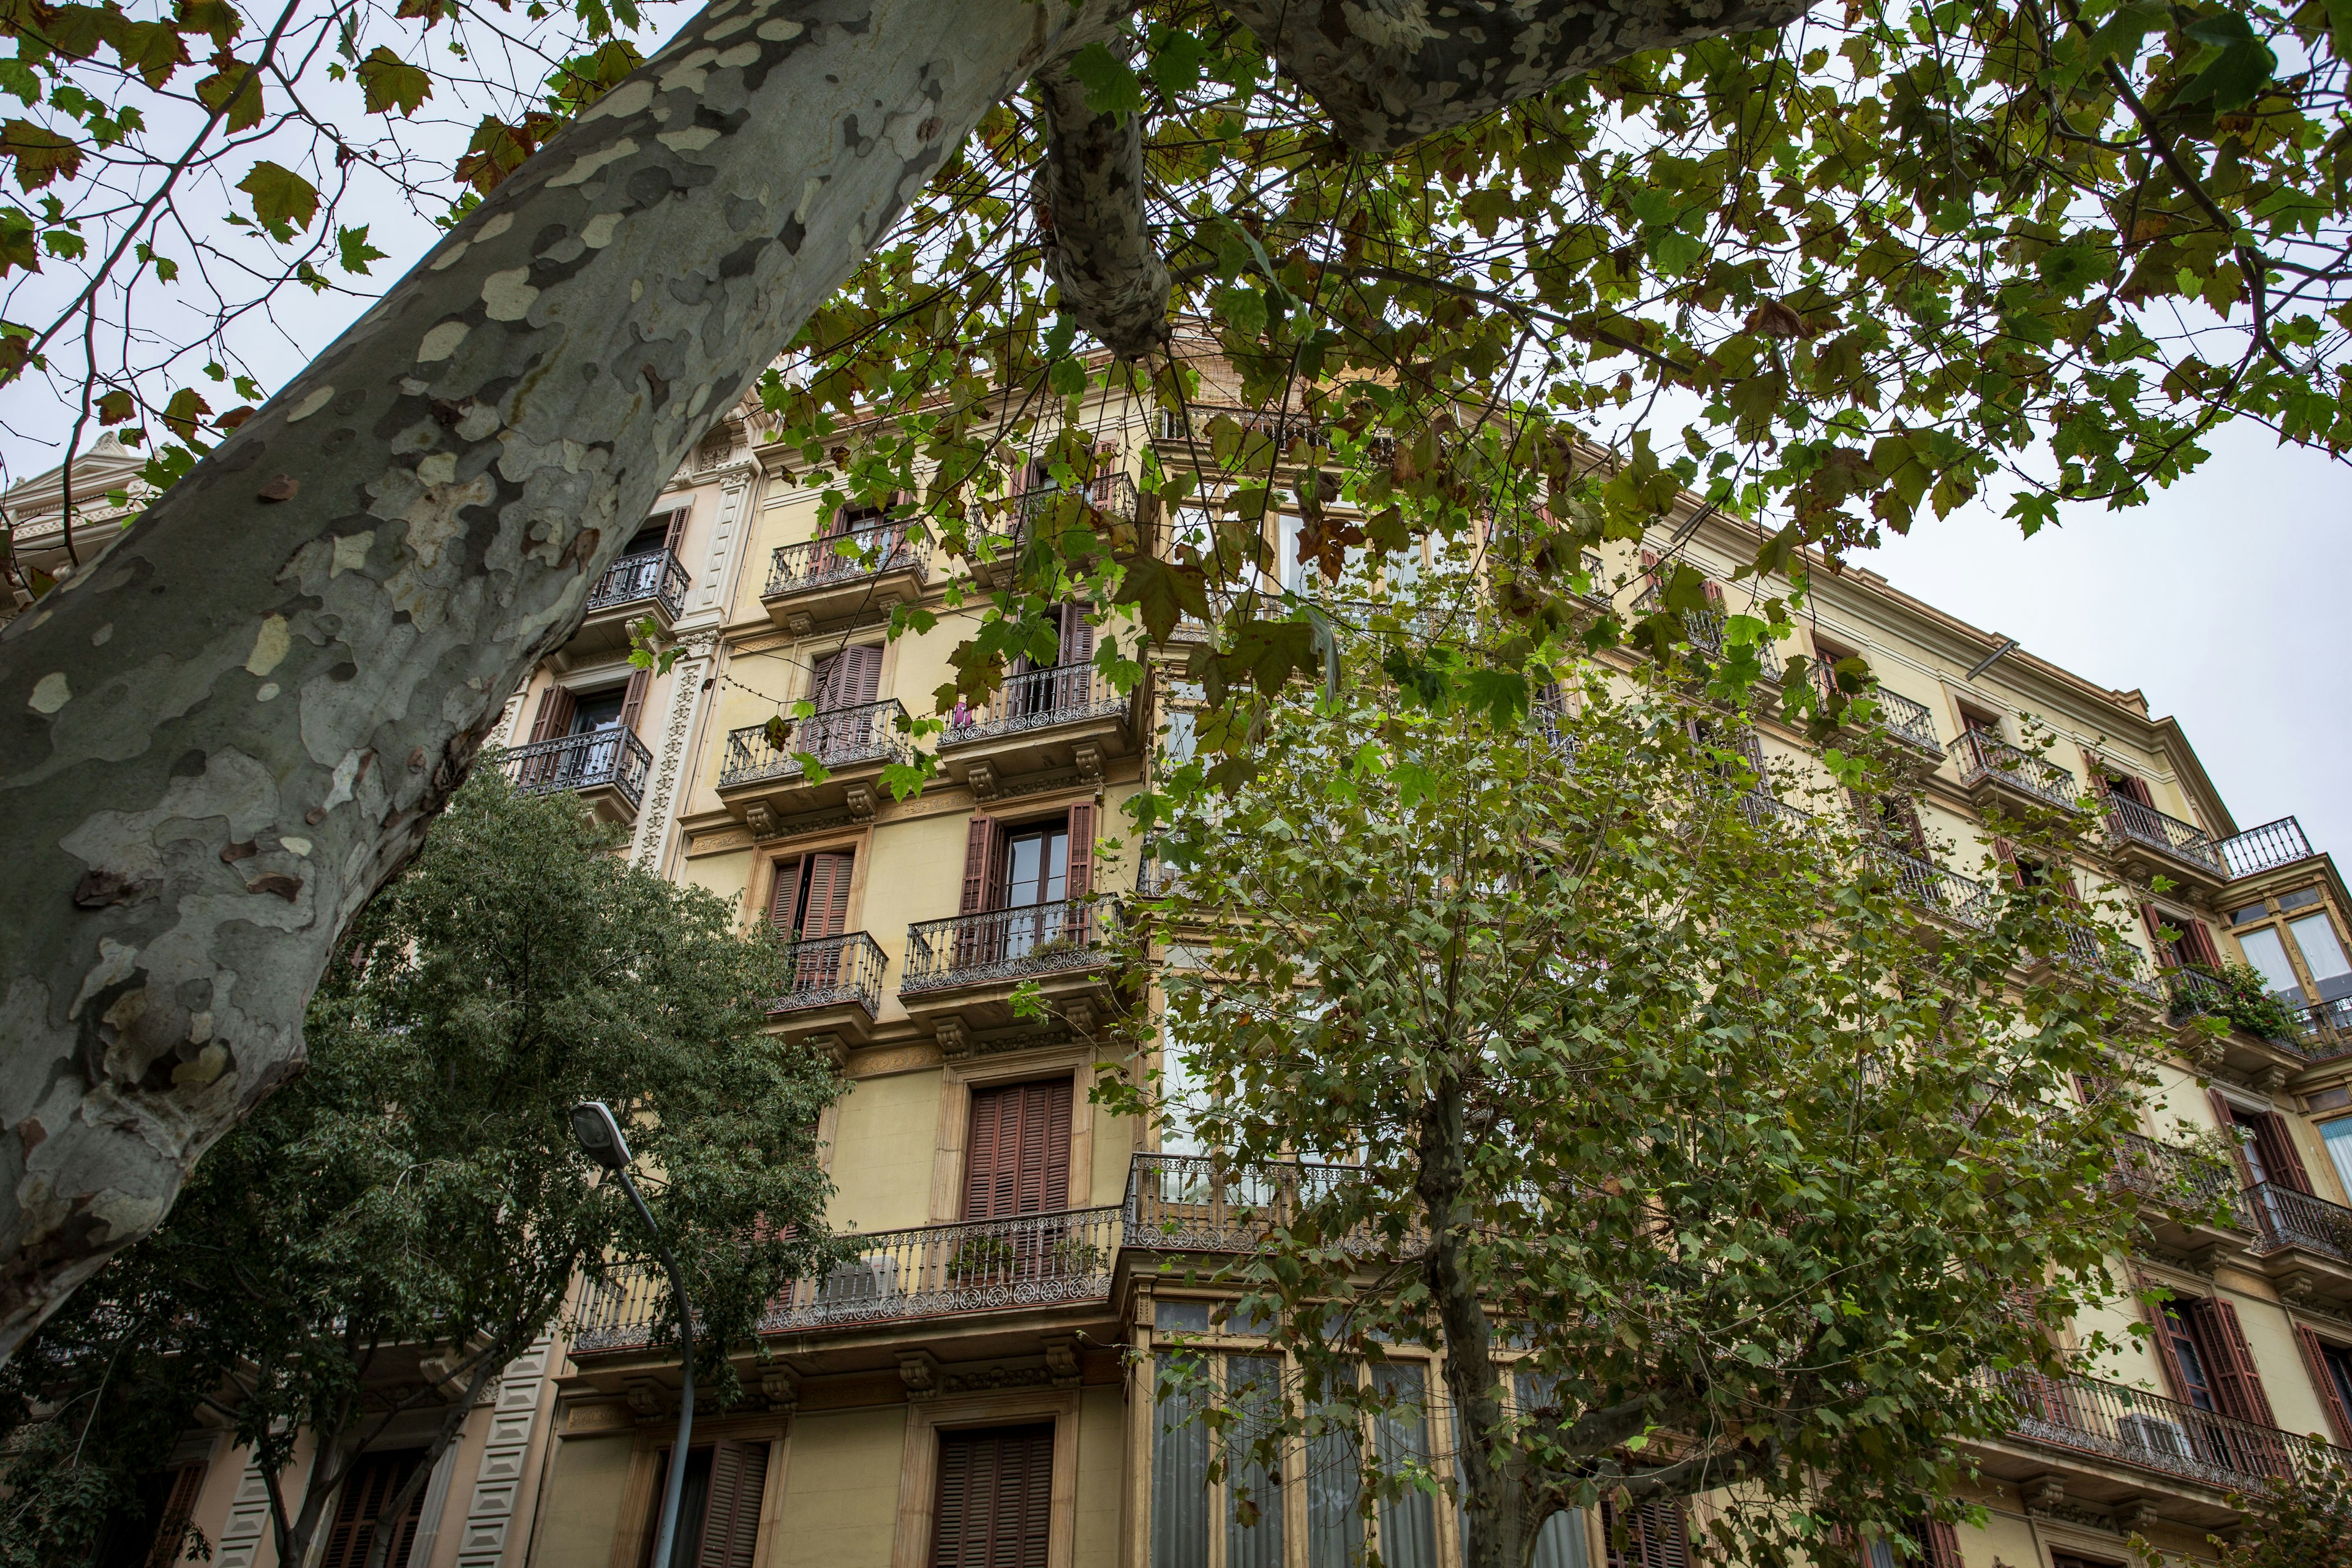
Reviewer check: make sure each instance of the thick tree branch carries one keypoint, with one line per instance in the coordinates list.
(1090, 197)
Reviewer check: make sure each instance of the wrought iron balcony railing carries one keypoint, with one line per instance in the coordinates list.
(827, 971)
(1984, 756)
(599, 759)
(2111, 955)
(657, 577)
(1703, 627)
(2285, 1218)
(2184, 841)
(2272, 845)
(860, 553)
(928, 1271)
(1905, 718)
(2152, 1433)
(1196, 1203)
(1036, 700)
(1006, 944)
(2326, 1027)
(836, 738)
(1935, 889)
(1113, 495)
(2179, 1178)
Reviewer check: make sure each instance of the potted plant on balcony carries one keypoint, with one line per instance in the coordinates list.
(2236, 995)
(978, 1257)
(1074, 1255)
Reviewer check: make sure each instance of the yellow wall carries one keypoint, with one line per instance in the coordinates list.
(841, 1490)
(882, 1151)
(582, 1513)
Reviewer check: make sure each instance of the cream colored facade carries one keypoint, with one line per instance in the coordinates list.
(873, 1376)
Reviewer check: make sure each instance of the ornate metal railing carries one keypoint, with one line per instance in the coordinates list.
(1285, 425)
(1006, 944)
(1760, 807)
(2128, 818)
(658, 577)
(1703, 627)
(2151, 1432)
(2181, 1179)
(1196, 1203)
(1036, 700)
(1984, 756)
(928, 1271)
(599, 759)
(827, 971)
(860, 553)
(2111, 955)
(1935, 889)
(1905, 718)
(2274, 843)
(2285, 1218)
(2326, 1027)
(836, 738)
(1113, 495)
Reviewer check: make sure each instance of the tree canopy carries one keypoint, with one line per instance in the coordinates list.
(405, 1217)
(1722, 1147)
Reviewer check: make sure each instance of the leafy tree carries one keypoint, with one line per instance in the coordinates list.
(407, 1215)
(1832, 270)
(2302, 1520)
(1721, 1149)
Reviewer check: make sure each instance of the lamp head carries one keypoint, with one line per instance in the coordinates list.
(598, 1135)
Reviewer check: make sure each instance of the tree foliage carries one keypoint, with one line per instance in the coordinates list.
(409, 1214)
(2301, 1520)
(1720, 1147)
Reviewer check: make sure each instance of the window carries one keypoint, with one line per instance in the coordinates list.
(1017, 1157)
(1400, 1436)
(154, 1533)
(2251, 912)
(1180, 738)
(2180, 1341)
(995, 1498)
(718, 1505)
(2337, 1136)
(1037, 867)
(2323, 955)
(2267, 953)
(598, 711)
(1254, 1502)
(2210, 1366)
(359, 1511)
(1655, 1535)
(1976, 722)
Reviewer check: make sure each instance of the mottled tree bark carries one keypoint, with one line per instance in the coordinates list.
(221, 737)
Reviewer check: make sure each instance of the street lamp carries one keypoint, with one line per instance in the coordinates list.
(599, 1137)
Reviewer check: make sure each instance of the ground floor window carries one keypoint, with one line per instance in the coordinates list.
(995, 1501)
(718, 1506)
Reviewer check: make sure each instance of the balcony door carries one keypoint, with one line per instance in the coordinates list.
(995, 1507)
(1017, 1155)
(1023, 876)
(1063, 684)
(811, 903)
(841, 687)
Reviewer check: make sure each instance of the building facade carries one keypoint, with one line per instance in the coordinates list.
(977, 1388)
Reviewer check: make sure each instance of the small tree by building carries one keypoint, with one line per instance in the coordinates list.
(1720, 1146)
(407, 1215)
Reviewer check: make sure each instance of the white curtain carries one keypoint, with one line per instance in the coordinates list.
(2267, 953)
(2321, 952)
(1180, 1483)
(1254, 1391)
(1401, 1433)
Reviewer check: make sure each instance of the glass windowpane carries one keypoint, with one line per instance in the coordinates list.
(1180, 1483)
(2321, 954)
(1254, 1389)
(2267, 953)
(1409, 1522)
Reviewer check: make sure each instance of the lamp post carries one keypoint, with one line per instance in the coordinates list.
(599, 1137)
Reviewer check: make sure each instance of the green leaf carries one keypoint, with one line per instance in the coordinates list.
(2241, 67)
(387, 80)
(1175, 64)
(40, 155)
(283, 201)
(234, 92)
(1112, 87)
(352, 250)
(181, 413)
(1162, 594)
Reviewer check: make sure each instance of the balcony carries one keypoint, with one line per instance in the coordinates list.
(1195, 1203)
(761, 781)
(1067, 716)
(632, 588)
(2197, 1204)
(2149, 841)
(1906, 719)
(1703, 629)
(847, 577)
(2197, 996)
(2266, 848)
(2326, 1028)
(970, 964)
(2304, 1243)
(1934, 890)
(1107, 505)
(606, 768)
(1994, 771)
(835, 987)
(2146, 1432)
(928, 1272)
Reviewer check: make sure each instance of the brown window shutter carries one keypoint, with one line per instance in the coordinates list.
(2237, 1386)
(633, 699)
(675, 534)
(1077, 637)
(1655, 1536)
(1055, 1192)
(2153, 919)
(995, 1498)
(980, 1153)
(1080, 881)
(861, 675)
(730, 1519)
(1018, 1149)
(1714, 593)
(2006, 853)
(372, 1480)
(828, 896)
(2315, 1362)
(2281, 1162)
(2198, 937)
(2226, 1116)
(978, 856)
(824, 682)
(784, 897)
(1943, 1544)
(171, 1523)
(2162, 1338)
(555, 715)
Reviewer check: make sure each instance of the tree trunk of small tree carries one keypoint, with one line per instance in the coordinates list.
(221, 737)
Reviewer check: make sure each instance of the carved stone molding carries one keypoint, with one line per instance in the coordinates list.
(996, 1379)
(2138, 1516)
(761, 817)
(860, 798)
(955, 1040)
(781, 1390)
(800, 623)
(1089, 758)
(832, 1046)
(919, 1371)
(2271, 1079)
(981, 778)
(1062, 1361)
(662, 793)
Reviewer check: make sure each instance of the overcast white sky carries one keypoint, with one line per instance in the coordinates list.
(2223, 600)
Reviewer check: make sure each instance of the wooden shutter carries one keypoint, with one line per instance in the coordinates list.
(979, 861)
(373, 1478)
(828, 895)
(171, 1523)
(731, 1516)
(674, 531)
(1655, 1536)
(1077, 637)
(1942, 1543)
(1081, 879)
(1017, 1158)
(2197, 938)
(633, 699)
(2226, 1115)
(2153, 919)
(824, 681)
(995, 1498)
(784, 897)
(861, 675)
(2323, 1378)
(2238, 1387)
(2280, 1161)
(2174, 1374)
(2006, 853)
(555, 715)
